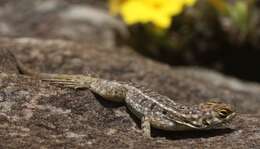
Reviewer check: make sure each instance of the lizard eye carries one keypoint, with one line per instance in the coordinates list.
(223, 113)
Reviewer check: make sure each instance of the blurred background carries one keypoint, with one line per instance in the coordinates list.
(222, 35)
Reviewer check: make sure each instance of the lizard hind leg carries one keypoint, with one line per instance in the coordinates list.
(70, 81)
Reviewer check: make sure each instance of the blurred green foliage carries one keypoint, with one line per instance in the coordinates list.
(219, 34)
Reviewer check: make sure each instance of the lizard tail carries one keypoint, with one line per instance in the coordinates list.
(24, 70)
(73, 81)
(27, 71)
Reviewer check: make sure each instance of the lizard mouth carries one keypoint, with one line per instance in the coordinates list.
(229, 118)
(224, 122)
(219, 124)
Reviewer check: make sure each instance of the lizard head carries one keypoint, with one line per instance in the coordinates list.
(212, 114)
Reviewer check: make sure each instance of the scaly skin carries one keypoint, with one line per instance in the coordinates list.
(152, 108)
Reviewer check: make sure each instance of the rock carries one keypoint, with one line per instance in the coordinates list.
(61, 19)
(7, 62)
(35, 114)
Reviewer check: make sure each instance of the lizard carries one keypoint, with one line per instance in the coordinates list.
(153, 109)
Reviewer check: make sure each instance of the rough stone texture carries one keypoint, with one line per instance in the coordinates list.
(64, 19)
(35, 114)
(7, 62)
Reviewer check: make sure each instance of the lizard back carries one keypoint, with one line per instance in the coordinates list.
(162, 111)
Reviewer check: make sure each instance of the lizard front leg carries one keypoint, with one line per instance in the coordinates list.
(146, 126)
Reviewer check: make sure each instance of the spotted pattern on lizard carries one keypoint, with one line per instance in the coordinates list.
(153, 109)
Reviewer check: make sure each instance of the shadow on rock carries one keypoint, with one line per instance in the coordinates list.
(180, 135)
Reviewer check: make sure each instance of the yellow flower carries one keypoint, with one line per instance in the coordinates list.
(157, 12)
